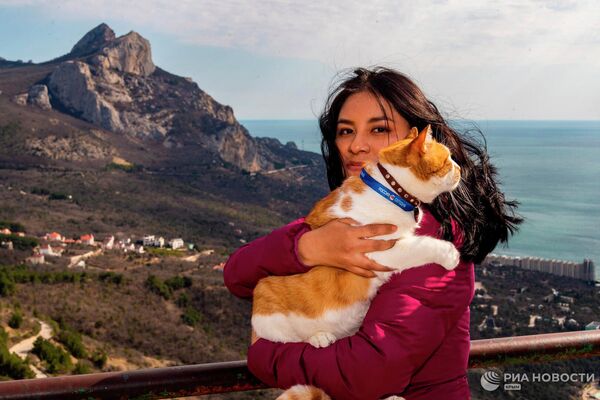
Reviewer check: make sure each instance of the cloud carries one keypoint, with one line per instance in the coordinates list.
(470, 32)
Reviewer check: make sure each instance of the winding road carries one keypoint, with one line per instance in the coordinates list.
(24, 347)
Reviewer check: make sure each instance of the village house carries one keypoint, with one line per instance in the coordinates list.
(35, 259)
(128, 247)
(148, 240)
(7, 245)
(47, 250)
(87, 239)
(54, 237)
(5, 231)
(108, 242)
(176, 243)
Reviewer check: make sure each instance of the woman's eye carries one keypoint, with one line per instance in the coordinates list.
(344, 131)
(381, 129)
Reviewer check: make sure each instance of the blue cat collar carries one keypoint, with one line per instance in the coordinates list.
(385, 192)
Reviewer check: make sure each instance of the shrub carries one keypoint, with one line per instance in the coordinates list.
(57, 360)
(178, 282)
(159, 287)
(82, 367)
(57, 196)
(191, 316)
(111, 277)
(10, 129)
(16, 320)
(11, 365)
(7, 286)
(72, 341)
(13, 226)
(40, 191)
(183, 300)
(99, 359)
(21, 243)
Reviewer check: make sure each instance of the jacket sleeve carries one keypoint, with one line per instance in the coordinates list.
(401, 330)
(273, 254)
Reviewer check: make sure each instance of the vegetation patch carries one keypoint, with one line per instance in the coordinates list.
(72, 341)
(164, 252)
(20, 242)
(57, 360)
(10, 364)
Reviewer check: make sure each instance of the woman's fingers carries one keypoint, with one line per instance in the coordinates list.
(369, 264)
(348, 221)
(371, 230)
(361, 271)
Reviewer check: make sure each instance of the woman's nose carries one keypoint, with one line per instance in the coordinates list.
(359, 144)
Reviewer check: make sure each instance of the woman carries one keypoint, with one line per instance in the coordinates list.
(414, 340)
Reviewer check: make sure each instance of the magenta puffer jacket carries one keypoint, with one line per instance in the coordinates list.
(414, 340)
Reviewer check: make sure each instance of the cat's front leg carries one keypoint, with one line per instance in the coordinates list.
(413, 251)
(322, 339)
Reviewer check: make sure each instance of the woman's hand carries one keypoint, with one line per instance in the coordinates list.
(340, 244)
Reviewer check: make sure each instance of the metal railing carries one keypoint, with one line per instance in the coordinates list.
(201, 379)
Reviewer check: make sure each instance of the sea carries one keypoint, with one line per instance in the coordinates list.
(551, 167)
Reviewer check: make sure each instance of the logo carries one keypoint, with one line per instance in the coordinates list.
(490, 381)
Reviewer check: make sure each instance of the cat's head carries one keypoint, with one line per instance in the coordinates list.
(423, 166)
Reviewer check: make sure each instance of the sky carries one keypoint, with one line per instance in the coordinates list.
(475, 59)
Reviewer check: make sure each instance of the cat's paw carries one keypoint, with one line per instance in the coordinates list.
(394, 398)
(321, 339)
(450, 257)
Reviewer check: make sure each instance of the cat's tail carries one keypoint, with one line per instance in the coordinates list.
(304, 392)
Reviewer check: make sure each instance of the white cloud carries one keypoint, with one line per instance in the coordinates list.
(482, 58)
(471, 32)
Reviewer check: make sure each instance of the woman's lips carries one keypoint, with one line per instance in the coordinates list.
(354, 166)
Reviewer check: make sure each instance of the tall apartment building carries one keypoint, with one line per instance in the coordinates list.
(584, 271)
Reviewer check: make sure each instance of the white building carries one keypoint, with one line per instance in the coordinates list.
(35, 259)
(109, 242)
(176, 243)
(149, 240)
(47, 250)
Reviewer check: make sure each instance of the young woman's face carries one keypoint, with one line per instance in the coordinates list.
(363, 129)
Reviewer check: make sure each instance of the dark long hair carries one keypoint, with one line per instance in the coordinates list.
(477, 204)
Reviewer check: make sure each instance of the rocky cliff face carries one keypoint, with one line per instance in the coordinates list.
(93, 41)
(113, 83)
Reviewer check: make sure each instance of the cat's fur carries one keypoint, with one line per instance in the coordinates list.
(325, 304)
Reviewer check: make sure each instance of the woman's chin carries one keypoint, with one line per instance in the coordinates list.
(350, 173)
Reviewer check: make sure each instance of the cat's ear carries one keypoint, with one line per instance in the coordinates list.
(420, 144)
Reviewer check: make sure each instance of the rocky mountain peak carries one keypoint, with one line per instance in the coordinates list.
(94, 40)
(129, 53)
(112, 83)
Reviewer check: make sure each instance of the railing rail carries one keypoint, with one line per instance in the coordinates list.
(201, 379)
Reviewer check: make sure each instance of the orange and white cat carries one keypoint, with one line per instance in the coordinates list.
(325, 304)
